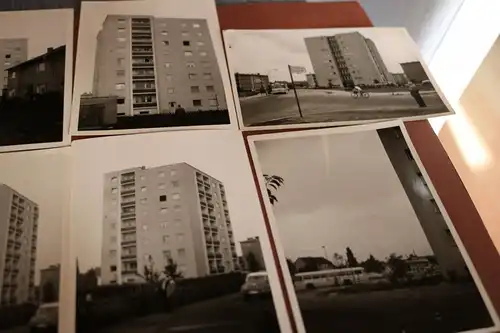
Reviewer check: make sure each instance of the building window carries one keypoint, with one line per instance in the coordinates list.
(7, 56)
(166, 43)
(197, 102)
(203, 54)
(176, 196)
(167, 255)
(199, 34)
(120, 72)
(200, 43)
(207, 76)
(210, 89)
(145, 227)
(120, 86)
(164, 33)
(161, 174)
(188, 53)
(161, 186)
(114, 190)
(167, 65)
(169, 77)
(163, 211)
(143, 189)
(120, 61)
(186, 43)
(121, 39)
(205, 64)
(13, 75)
(192, 76)
(120, 29)
(170, 90)
(175, 183)
(112, 268)
(195, 89)
(435, 206)
(190, 64)
(185, 34)
(113, 225)
(164, 225)
(177, 208)
(163, 198)
(165, 239)
(143, 201)
(173, 173)
(409, 154)
(40, 67)
(181, 253)
(213, 102)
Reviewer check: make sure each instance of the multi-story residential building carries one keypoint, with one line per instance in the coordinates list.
(18, 238)
(157, 65)
(431, 219)
(311, 81)
(155, 215)
(38, 75)
(414, 71)
(251, 82)
(12, 52)
(346, 60)
(49, 283)
(251, 247)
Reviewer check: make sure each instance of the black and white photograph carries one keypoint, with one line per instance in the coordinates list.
(322, 76)
(367, 245)
(36, 68)
(174, 237)
(31, 220)
(150, 65)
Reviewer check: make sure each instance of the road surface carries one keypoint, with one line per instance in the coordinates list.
(331, 105)
(429, 309)
(228, 314)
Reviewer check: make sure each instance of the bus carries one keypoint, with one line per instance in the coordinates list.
(330, 278)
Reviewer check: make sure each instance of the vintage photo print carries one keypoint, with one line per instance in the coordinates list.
(34, 189)
(175, 238)
(148, 66)
(366, 243)
(317, 77)
(36, 52)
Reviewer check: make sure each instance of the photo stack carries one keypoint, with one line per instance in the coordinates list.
(162, 175)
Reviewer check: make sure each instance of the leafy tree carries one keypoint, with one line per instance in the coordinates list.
(269, 88)
(171, 270)
(153, 276)
(273, 183)
(339, 260)
(252, 263)
(351, 259)
(398, 267)
(49, 293)
(373, 265)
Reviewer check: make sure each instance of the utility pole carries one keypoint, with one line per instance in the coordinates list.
(295, 91)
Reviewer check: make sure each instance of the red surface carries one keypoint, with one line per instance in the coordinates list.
(436, 162)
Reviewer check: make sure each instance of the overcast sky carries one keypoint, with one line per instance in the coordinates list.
(269, 52)
(343, 192)
(220, 154)
(42, 28)
(41, 176)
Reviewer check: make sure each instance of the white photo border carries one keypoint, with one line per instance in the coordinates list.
(68, 87)
(243, 127)
(252, 139)
(167, 7)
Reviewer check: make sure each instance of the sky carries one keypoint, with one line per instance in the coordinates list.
(93, 15)
(221, 154)
(43, 177)
(345, 193)
(269, 52)
(28, 24)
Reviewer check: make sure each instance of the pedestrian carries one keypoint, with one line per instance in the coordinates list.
(262, 90)
(415, 93)
(168, 287)
(179, 110)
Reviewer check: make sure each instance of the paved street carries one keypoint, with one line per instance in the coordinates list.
(429, 309)
(332, 105)
(228, 314)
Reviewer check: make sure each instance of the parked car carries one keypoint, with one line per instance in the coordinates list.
(279, 88)
(256, 284)
(45, 318)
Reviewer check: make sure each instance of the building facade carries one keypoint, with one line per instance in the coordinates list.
(155, 215)
(18, 238)
(157, 65)
(49, 284)
(251, 247)
(39, 75)
(311, 81)
(346, 60)
(438, 234)
(12, 52)
(251, 82)
(414, 71)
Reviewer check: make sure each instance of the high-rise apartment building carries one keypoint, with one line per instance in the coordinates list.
(157, 65)
(12, 52)
(346, 60)
(18, 237)
(155, 215)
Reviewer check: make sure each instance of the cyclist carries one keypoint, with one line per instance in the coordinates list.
(357, 90)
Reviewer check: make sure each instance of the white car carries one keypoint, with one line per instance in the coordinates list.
(277, 89)
(256, 284)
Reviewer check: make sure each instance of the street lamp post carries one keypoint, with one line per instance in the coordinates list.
(326, 252)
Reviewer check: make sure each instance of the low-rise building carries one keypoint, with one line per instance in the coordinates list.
(414, 71)
(246, 82)
(49, 284)
(98, 111)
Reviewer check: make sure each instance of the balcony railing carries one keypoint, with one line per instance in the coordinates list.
(130, 227)
(143, 65)
(143, 90)
(128, 241)
(142, 76)
(129, 257)
(145, 104)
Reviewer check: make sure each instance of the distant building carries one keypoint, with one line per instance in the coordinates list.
(49, 284)
(346, 60)
(18, 240)
(38, 75)
(251, 248)
(168, 213)
(414, 71)
(12, 52)
(98, 111)
(311, 81)
(311, 264)
(251, 82)
(438, 234)
(399, 78)
(157, 65)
